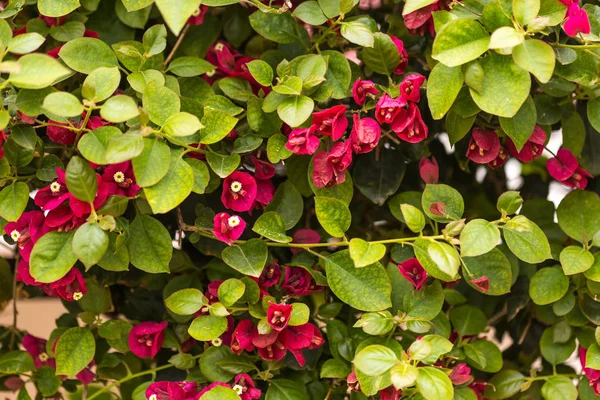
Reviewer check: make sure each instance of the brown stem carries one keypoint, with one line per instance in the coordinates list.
(177, 43)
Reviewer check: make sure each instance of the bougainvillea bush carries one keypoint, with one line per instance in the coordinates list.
(302, 199)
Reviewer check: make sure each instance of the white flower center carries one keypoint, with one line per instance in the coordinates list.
(236, 186)
(217, 342)
(15, 235)
(238, 389)
(55, 187)
(77, 296)
(152, 397)
(211, 73)
(219, 46)
(119, 177)
(43, 357)
(233, 221)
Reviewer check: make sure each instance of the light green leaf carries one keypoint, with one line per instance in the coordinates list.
(478, 237)
(526, 240)
(90, 243)
(525, 11)
(52, 256)
(333, 215)
(190, 66)
(358, 33)
(173, 189)
(261, 71)
(434, 384)
(575, 260)
(536, 57)
(38, 71)
(186, 301)
(230, 291)
(548, 285)
(383, 57)
(101, 84)
(13, 200)
(160, 103)
(63, 104)
(375, 360)
(459, 42)
(364, 253)
(154, 40)
(119, 108)
(182, 124)
(271, 226)
(123, 147)
(248, 258)
(25, 43)
(149, 244)
(444, 83)
(81, 179)
(177, 12)
(520, 127)
(217, 125)
(86, 54)
(57, 8)
(75, 349)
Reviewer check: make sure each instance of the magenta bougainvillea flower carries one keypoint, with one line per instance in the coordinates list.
(577, 20)
(239, 191)
(270, 275)
(265, 190)
(500, 160)
(36, 347)
(228, 228)
(483, 283)
(409, 125)
(532, 149)
(360, 90)
(365, 134)
(388, 108)
(299, 282)
(278, 315)
(297, 338)
(26, 231)
(242, 337)
(303, 140)
(460, 374)
(120, 179)
(146, 338)
(197, 17)
(420, 21)
(262, 169)
(70, 287)
(484, 146)
(389, 393)
(244, 386)
(24, 275)
(410, 88)
(565, 169)
(3, 139)
(413, 271)
(62, 219)
(403, 55)
(330, 167)
(164, 390)
(331, 122)
(303, 236)
(428, 169)
(593, 375)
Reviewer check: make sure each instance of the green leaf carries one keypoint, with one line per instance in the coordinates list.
(375, 360)
(52, 256)
(16, 362)
(404, 375)
(288, 203)
(504, 385)
(86, 54)
(592, 358)
(505, 86)
(526, 240)
(338, 75)
(207, 327)
(149, 244)
(414, 5)
(554, 10)
(177, 12)
(201, 175)
(559, 387)
(38, 71)
(81, 179)
(190, 66)
(536, 57)
(57, 8)
(579, 215)
(495, 266)
(261, 72)
(280, 28)
(334, 368)
(217, 125)
(331, 8)
(413, 217)
(182, 124)
(366, 289)
(520, 127)
(154, 40)
(548, 285)
(223, 165)
(173, 189)
(581, 70)
(285, 389)
(220, 393)
(364, 253)
(25, 43)
(289, 85)
(492, 356)
(101, 84)
(593, 113)
(295, 110)
(525, 10)
(230, 291)
(271, 226)
(140, 79)
(446, 195)
(90, 243)
(153, 162)
(358, 33)
(310, 13)
(74, 351)
(478, 237)
(160, 103)
(444, 83)
(63, 104)
(575, 260)
(439, 259)
(425, 303)
(333, 215)
(383, 57)
(504, 39)
(468, 320)
(13, 200)
(434, 384)
(186, 301)
(119, 108)
(574, 133)
(378, 175)
(124, 147)
(459, 42)
(68, 31)
(248, 258)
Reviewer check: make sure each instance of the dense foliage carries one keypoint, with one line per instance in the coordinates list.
(302, 199)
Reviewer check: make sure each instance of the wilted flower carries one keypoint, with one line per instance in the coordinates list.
(330, 167)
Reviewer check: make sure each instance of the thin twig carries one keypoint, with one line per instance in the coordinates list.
(177, 43)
